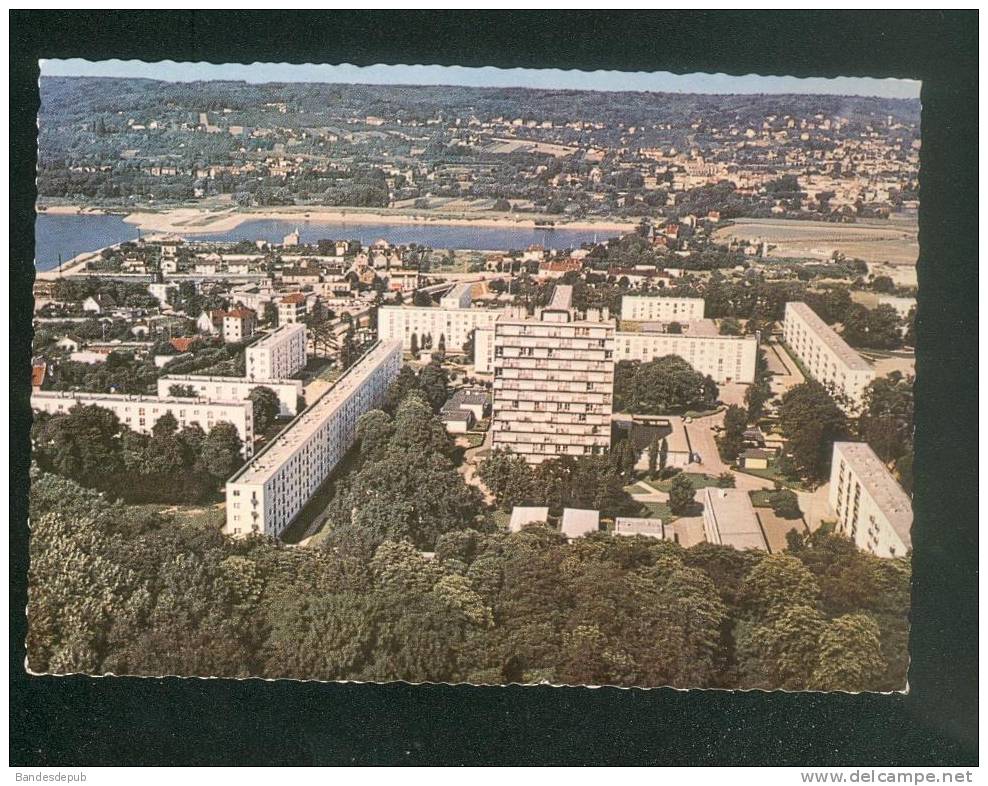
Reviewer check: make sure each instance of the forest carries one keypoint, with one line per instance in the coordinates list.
(415, 583)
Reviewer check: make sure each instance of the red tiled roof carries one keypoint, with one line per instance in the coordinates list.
(296, 297)
(38, 374)
(183, 344)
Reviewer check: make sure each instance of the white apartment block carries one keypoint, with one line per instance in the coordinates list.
(724, 358)
(645, 308)
(400, 323)
(553, 386)
(458, 297)
(236, 389)
(140, 413)
(871, 508)
(268, 493)
(483, 350)
(279, 355)
(826, 355)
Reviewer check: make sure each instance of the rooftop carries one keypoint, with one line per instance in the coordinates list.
(880, 485)
(278, 334)
(265, 463)
(562, 298)
(522, 516)
(577, 522)
(825, 333)
(734, 518)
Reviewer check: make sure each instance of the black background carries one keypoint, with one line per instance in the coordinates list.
(83, 721)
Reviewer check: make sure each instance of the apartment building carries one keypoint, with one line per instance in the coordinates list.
(291, 308)
(140, 413)
(238, 325)
(483, 350)
(269, 492)
(458, 297)
(400, 323)
(279, 355)
(646, 308)
(826, 356)
(553, 382)
(235, 389)
(724, 358)
(870, 506)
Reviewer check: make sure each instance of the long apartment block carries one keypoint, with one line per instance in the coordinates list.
(826, 356)
(647, 308)
(268, 493)
(235, 389)
(400, 323)
(279, 355)
(724, 358)
(140, 413)
(553, 384)
(870, 506)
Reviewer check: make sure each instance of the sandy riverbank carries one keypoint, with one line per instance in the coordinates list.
(191, 221)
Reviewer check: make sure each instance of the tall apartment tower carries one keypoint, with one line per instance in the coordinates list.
(554, 382)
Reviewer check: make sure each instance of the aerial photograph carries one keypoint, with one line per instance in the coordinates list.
(473, 375)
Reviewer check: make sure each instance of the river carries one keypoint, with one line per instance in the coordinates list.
(68, 235)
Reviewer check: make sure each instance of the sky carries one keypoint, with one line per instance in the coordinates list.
(658, 81)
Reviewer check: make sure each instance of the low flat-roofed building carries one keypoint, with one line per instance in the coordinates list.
(826, 356)
(652, 528)
(649, 308)
(236, 388)
(871, 507)
(756, 458)
(577, 522)
(522, 516)
(140, 413)
(269, 492)
(729, 519)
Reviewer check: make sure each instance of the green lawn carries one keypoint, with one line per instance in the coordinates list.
(774, 475)
(761, 498)
(659, 510)
(699, 481)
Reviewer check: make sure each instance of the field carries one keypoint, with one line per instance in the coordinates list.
(892, 242)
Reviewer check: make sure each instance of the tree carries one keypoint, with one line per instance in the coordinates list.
(266, 406)
(886, 422)
(182, 391)
(674, 327)
(414, 345)
(83, 445)
(778, 582)
(166, 425)
(270, 313)
(663, 454)
(811, 422)
(659, 386)
(730, 327)
(681, 494)
(731, 441)
(221, 451)
(850, 654)
(726, 480)
(782, 651)
(653, 457)
(785, 503)
(434, 384)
